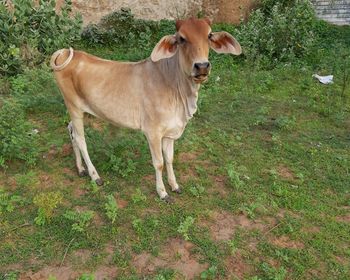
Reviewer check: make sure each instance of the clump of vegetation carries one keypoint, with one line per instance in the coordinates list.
(80, 219)
(32, 31)
(233, 175)
(185, 227)
(17, 139)
(138, 196)
(111, 208)
(279, 31)
(8, 202)
(121, 27)
(46, 203)
(36, 90)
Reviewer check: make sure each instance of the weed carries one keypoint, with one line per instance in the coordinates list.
(138, 196)
(26, 180)
(111, 208)
(16, 140)
(80, 219)
(210, 273)
(233, 175)
(185, 227)
(285, 122)
(8, 202)
(274, 273)
(93, 187)
(25, 39)
(233, 246)
(46, 203)
(196, 190)
(87, 276)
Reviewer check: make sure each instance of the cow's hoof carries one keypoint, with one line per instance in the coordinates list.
(83, 173)
(178, 190)
(168, 199)
(99, 182)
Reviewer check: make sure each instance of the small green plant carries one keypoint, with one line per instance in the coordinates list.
(185, 227)
(210, 273)
(274, 273)
(232, 244)
(8, 202)
(87, 276)
(137, 225)
(10, 276)
(93, 187)
(138, 196)
(46, 203)
(111, 208)
(233, 176)
(197, 190)
(26, 180)
(80, 219)
(285, 122)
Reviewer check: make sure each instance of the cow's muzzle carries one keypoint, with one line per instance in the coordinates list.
(201, 71)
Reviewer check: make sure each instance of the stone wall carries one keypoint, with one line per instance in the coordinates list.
(333, 11)
(218, 10)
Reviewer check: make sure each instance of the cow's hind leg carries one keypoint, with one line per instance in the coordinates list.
(81, 169)
(168, 150)
(79, 137)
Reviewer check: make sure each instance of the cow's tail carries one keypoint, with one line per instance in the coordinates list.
(54, 57)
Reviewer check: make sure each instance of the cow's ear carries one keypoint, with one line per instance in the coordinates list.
(223, 42)
(166, 47)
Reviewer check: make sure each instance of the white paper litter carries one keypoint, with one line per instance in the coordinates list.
(324, 79)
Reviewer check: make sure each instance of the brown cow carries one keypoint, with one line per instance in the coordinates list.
(157, 95)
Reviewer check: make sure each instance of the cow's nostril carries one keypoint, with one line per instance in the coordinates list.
(203, 65)
(206, 64)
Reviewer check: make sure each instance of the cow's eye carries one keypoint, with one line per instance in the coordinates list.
(182, 40)
(210, 36)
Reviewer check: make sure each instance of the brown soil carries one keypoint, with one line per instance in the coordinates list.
(176, 254)
(311, 229)
(284, 242)
(66, 149)
(344, 219)
(78, 192)
(237, 267)
(231, 11)
(122, 203)
(187, 157)
(285, 172)
(222, 225)
(82, 255)
(62, 273)
(68, 273)
(45, 181)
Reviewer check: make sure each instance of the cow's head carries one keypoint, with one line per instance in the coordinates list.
(193, 40)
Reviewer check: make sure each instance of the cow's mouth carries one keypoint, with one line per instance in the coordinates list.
(200, 78)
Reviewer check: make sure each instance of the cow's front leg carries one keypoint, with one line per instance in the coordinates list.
(155, 144)
(168, 150)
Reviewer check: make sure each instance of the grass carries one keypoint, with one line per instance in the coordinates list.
(267, 156)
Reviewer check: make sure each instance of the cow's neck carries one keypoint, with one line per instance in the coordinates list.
(186, 91)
